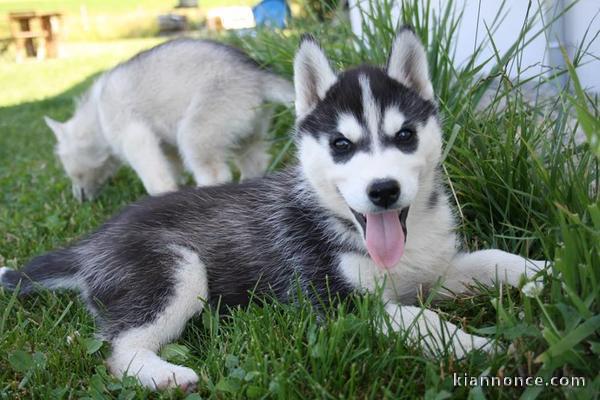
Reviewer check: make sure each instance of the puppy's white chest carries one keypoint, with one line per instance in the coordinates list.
(399, 284)
(362, 273)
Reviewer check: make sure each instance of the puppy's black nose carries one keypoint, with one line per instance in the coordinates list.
(384, 193)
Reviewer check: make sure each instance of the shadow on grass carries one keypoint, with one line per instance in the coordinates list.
(37, 209)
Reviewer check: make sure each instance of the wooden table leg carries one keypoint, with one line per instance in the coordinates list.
(21, 53)
(51, 27)
(25, 26)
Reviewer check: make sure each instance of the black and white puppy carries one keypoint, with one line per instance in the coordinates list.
(363, 209)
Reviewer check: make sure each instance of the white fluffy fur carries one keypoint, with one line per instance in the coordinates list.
(312, 76)
(430, 254)
(134, 352)
(408, 64)
(392, 121)
(349, 126)
(432, 333)
(370, 109)
(197, 97)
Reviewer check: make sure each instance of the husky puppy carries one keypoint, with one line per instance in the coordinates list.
(202, 98)
(363, 211)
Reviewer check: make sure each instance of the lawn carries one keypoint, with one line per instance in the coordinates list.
(519, 181)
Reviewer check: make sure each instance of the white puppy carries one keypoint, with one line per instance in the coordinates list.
(202, 98)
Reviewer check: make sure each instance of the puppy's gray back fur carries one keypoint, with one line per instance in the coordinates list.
(206, 73)
(264, 236)
(202, 98)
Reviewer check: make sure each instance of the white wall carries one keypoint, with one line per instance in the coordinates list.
(576, 22)
(539, 56)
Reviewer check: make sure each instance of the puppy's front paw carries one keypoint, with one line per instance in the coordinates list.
(460, 344)
(175, 376)
(532, 267)
(464, 343)
(525, 270)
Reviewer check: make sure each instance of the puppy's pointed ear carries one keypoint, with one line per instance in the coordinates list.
(313, 75)
(57, 127)
(408, 63)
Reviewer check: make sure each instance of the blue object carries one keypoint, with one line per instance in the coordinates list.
(271, 13)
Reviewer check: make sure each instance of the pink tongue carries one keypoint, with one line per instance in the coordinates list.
(385, 238)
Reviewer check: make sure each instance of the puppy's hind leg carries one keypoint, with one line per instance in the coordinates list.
(135, 350)
(252, 157)
(142, 149)
(205, 143)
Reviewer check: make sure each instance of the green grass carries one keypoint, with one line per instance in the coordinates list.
(33, 81)
(521, 184)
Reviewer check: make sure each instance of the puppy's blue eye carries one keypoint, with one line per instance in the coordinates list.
(341, 145)
(405, 135)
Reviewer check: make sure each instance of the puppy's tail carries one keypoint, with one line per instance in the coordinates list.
(278, 90)
(54, 270)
